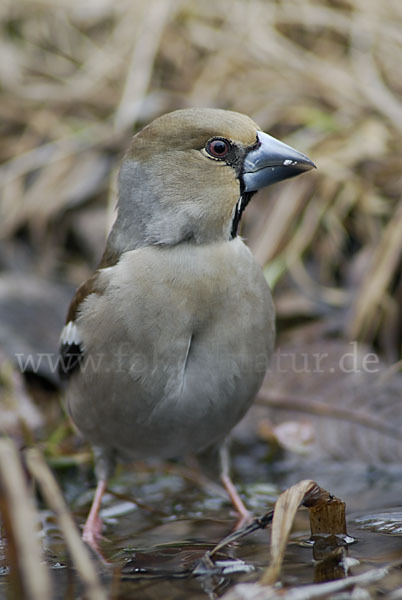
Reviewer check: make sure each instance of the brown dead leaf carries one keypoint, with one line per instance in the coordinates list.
(285, 510)
(327, 516)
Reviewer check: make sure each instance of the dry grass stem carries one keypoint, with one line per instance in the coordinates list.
(29, 573)
(78, 551)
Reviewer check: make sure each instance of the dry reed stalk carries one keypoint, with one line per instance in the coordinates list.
(79, 553)
(29, 576)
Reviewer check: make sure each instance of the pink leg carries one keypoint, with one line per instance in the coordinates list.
(93, 525)
(233, 494)
(237, 502)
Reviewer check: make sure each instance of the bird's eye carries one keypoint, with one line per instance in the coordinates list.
(218, 147)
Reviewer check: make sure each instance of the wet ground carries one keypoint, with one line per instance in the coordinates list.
(158, 550)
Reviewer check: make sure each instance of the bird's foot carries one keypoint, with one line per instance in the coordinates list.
(92, 533)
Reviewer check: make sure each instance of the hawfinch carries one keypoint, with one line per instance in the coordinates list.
(167, 343)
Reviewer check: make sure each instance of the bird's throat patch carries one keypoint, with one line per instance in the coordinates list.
(242, 202)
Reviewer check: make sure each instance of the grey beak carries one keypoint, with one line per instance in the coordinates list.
(272, 161)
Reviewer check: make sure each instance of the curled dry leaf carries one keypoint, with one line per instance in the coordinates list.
(327, 515)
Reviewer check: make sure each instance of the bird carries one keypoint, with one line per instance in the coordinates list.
(166, 345)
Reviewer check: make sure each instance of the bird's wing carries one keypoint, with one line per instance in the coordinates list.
(71, 350)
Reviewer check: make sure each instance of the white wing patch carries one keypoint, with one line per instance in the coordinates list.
(70, 334)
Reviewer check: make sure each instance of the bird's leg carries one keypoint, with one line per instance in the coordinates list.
(230, 488)
(93, 525)
(104, 466)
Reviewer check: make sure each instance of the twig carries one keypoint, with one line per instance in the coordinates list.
(235, 536)
(312, 407)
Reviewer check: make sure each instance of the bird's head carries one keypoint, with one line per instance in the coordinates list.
(190, 173)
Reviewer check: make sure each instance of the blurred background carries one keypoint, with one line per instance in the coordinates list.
(78, 78)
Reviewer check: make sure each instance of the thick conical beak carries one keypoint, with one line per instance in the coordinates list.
(272, 161)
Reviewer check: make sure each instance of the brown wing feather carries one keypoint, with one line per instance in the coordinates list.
(71, 353)
(85, 289)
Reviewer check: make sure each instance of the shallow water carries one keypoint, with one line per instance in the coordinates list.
(157, 551)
